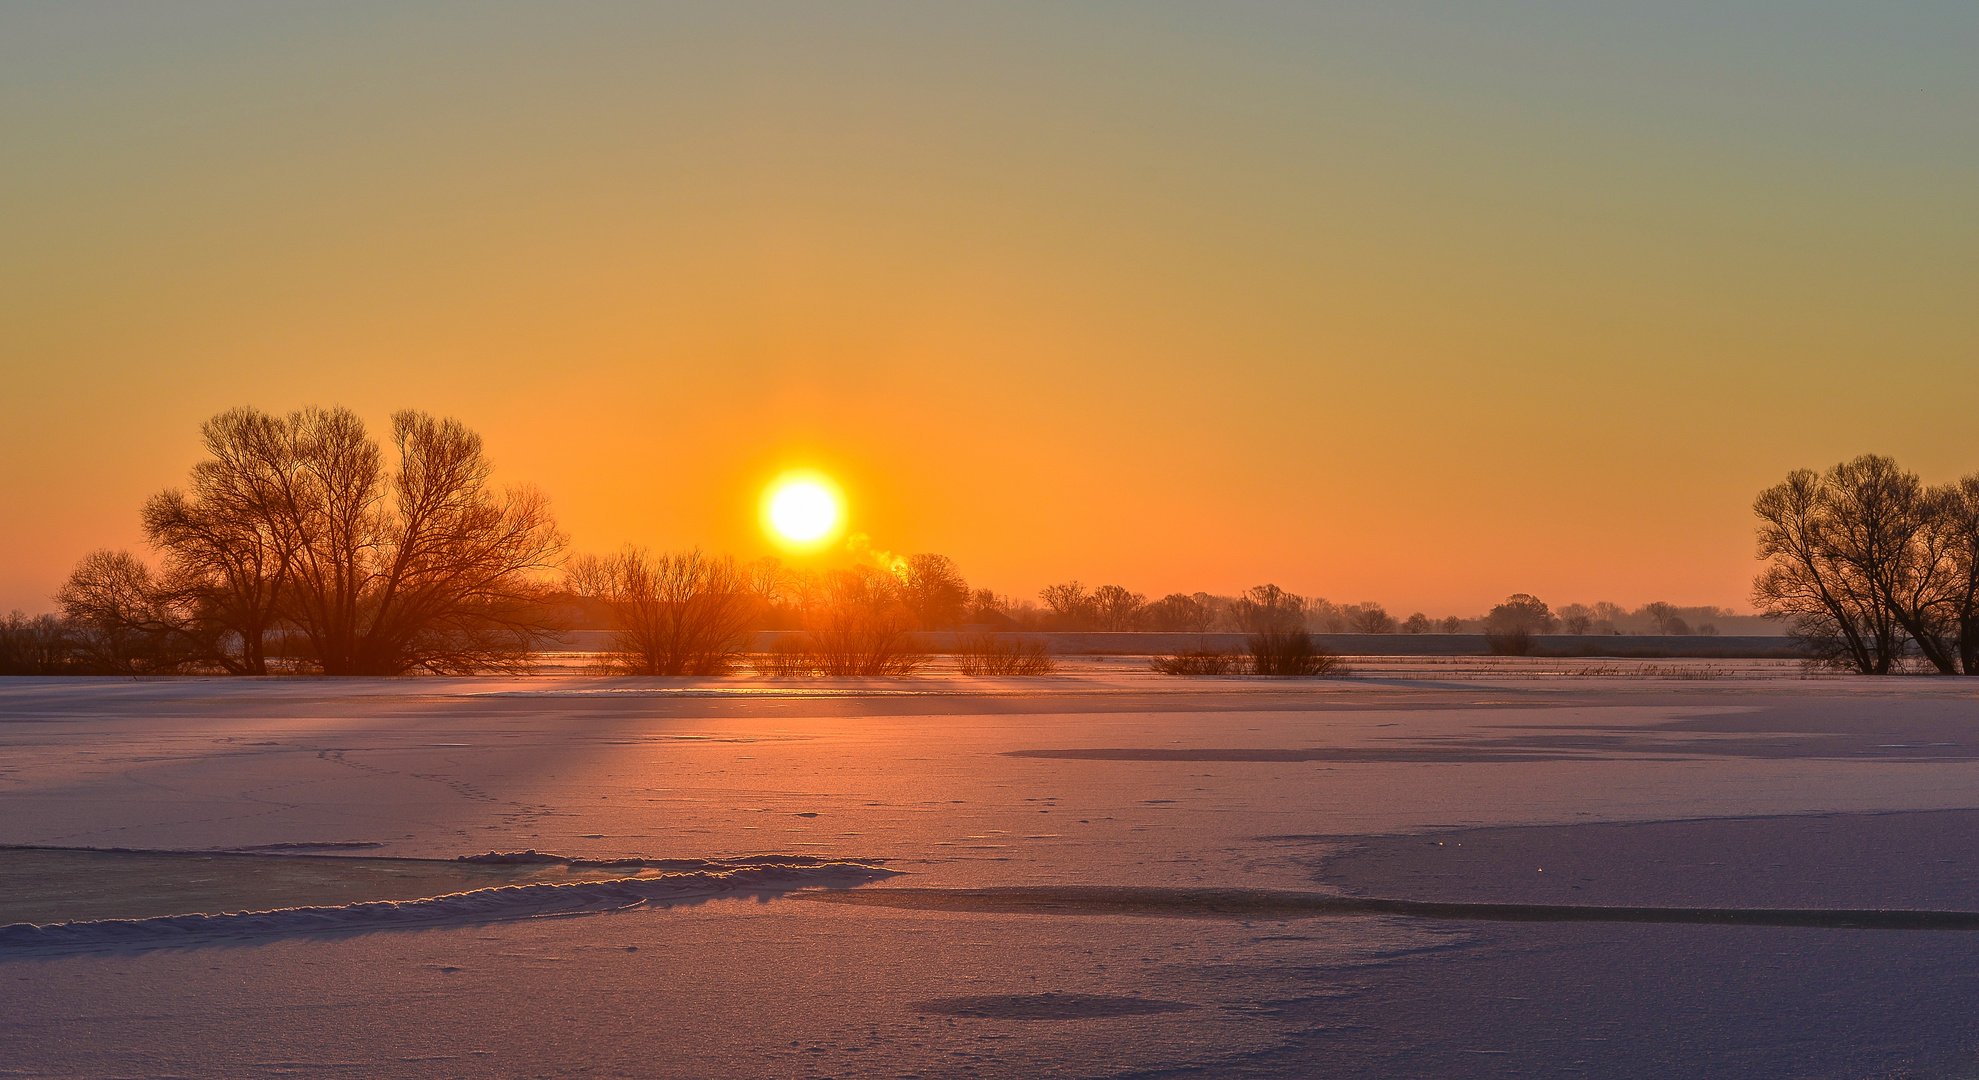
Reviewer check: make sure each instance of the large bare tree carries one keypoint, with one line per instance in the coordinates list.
(296, 525)
(1825, 572)
(422, 567)
(1954, 527)
(126, 620)
(225, 541)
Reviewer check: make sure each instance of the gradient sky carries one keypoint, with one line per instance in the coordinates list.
(1417, 302)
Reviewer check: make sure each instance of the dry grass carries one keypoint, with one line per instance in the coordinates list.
(1646, 671)
(786, 657)
(1196, 662)
(1003, 654)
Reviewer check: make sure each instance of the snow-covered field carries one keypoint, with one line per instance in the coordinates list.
(972, 819)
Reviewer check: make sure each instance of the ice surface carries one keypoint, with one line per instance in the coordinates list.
(1107, 780)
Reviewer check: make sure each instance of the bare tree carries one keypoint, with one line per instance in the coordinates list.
(768, 580)
(1370, 618)
(1453, 625)
(1864, 560)
(682, 614)
(1954, 518)
(420, 568)
(1278, 642)
(294, 525)
(1417, 623)
(1510, 627)
(1071, 606)
(223, 540)
(1325, 616)
(1665, 618)
(1576, 618)
(125, 619)
(1265, 609)
(1876, 527)
(933, 589)
(1180, 613)
(1114, 608)
(1816, 576)
(1521, 612)
(37, 645)
(986, 608)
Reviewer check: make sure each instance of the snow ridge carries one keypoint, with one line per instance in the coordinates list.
(501, 904)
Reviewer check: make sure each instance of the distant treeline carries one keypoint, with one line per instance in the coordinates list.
(1070, 606)
(298, 546)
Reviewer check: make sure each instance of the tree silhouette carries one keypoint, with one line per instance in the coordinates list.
(681, 614)
(933, 589)
(294, 524)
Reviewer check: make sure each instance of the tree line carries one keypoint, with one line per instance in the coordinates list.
(300, 543)
(1871, 567)
(1071, 606)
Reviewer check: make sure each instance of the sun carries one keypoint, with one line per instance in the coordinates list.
(803, 511)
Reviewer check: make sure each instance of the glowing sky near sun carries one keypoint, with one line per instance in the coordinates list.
(1416, 302)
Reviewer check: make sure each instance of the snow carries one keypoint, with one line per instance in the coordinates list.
(1750, 786)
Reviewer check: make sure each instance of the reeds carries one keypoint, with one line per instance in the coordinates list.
(1275, 653)
(863, 650)
(1196, 662)
(1003, 654)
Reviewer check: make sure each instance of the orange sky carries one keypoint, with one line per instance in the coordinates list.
(1420, 304)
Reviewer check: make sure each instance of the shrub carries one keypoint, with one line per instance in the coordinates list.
(862, 628)
(864, 650)
(1003, 654)
(1286, 654)
(1196, 662)
(1513, 642)
(683, 614)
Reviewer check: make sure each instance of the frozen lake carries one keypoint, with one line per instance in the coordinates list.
(1053, 861)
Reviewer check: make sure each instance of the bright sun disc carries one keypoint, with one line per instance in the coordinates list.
(803, 511)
